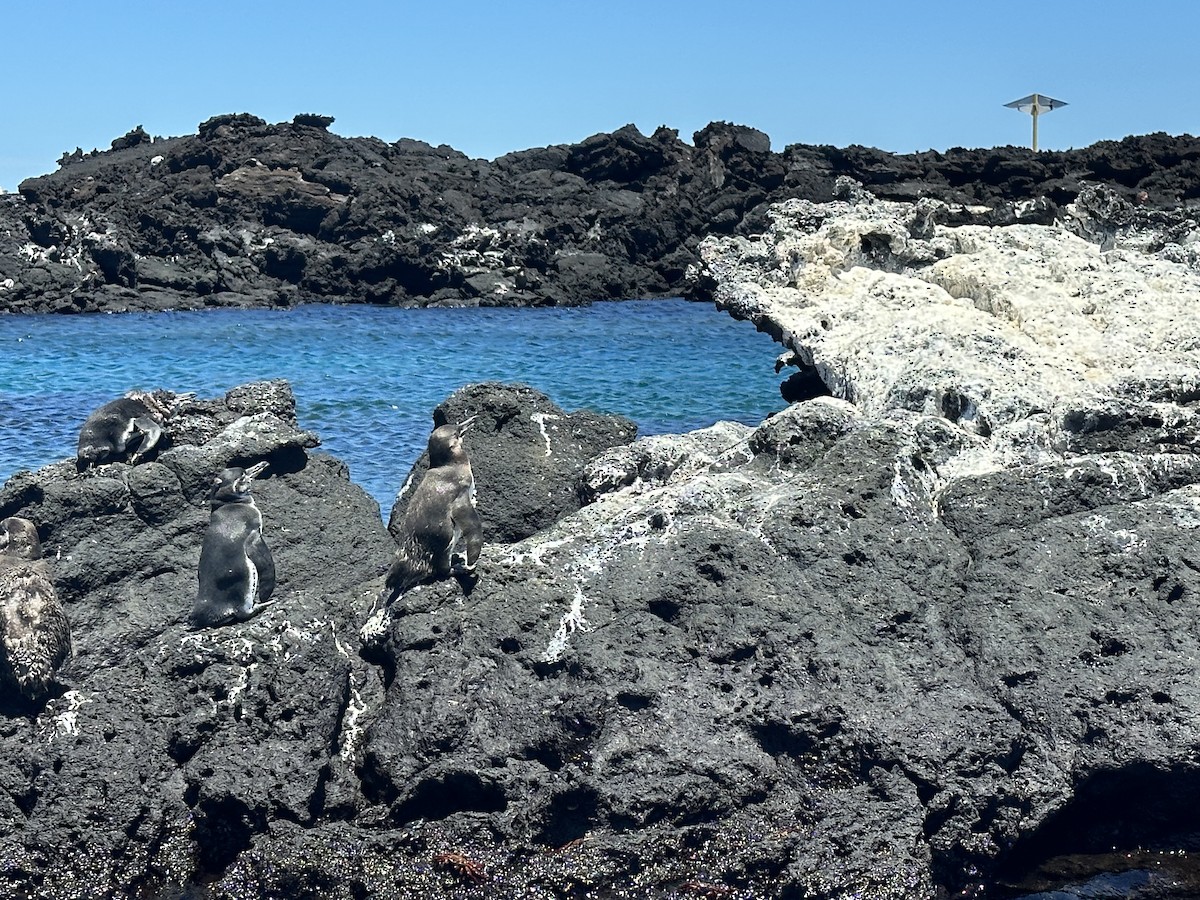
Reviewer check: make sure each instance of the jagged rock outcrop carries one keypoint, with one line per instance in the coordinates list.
(1064, 501)
(1021, 334)
(903, 640)
(247, 213)
(168, 748)
(527, 454)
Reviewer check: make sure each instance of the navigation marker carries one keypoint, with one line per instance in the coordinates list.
(1035, 104)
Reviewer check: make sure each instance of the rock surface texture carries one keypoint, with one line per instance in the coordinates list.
(904, 639)
(246, 213)
(1030, 509)
(529, 459)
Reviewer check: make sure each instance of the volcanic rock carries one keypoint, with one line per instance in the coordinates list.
(1011, 332)
(170, 747)
(908, 639)
(527, 455)
(244, 213)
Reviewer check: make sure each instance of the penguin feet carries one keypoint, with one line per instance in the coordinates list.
(467, 578)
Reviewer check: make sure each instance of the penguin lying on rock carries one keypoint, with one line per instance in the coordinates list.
(125, 429)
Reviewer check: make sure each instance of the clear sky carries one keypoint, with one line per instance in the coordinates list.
(491, 77)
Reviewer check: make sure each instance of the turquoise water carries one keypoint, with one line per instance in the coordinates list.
(367, 379)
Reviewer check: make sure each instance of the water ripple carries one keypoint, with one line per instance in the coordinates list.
(367, 379)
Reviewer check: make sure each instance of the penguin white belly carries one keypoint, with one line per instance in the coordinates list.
(251, 596)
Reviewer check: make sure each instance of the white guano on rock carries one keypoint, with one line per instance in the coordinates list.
(1002, 330)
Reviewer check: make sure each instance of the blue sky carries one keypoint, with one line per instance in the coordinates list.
(492, 77)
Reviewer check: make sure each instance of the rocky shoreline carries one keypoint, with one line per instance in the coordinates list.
(927, 627)
(245, 213)
(920, 632)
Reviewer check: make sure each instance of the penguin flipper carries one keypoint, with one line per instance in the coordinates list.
(470, 527)
(263, 562)
(150, 431)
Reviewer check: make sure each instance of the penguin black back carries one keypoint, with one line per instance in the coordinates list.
(35, 636)
(129, 427)
(236, 576)
(440, 531)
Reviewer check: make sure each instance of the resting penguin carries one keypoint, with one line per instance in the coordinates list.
(36, 636)
(439, 532)
(128, 425)
(237, 572)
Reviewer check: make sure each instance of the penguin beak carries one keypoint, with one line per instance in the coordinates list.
(465, 425)
(255, 470)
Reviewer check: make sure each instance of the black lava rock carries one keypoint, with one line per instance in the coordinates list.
(247, 213)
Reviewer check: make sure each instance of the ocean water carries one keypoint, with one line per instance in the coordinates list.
(367, 379)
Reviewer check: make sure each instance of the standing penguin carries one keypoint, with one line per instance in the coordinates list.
(128, 425)
(439, 532)
(237, 571)
(36, 637)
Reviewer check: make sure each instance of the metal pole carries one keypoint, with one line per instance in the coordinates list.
(1035, 115)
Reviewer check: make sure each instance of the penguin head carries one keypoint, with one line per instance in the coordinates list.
(445, 443)
(19, 538)
(90, 455)
(233, 485)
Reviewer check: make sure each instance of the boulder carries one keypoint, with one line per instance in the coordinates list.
(176, 746)
(624, 156)
(312, 120)
(137, 136)
(1040, 409)
(1010, 332)
(527, 455)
